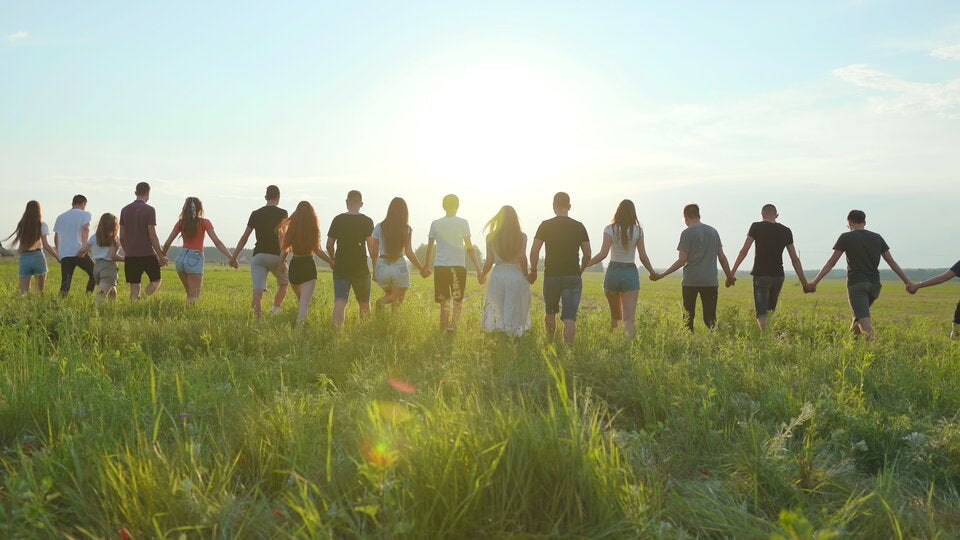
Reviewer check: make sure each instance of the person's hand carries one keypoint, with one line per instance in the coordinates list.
(810, 288)
(424, 272)
(163, 260)
(282, 267)
(234, 263)
(481, 278)
(731, 281)
(654, 276)
(532, 277)
(912, 287)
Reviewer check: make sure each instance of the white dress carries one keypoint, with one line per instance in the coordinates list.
(507, 304)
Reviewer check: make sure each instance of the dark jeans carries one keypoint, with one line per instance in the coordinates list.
(708, 297)
(68, 265)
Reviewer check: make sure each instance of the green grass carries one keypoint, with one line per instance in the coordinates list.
(165, 420)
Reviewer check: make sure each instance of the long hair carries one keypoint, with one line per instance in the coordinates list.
(28, 229)
(503, 231)
(107, 230)
(300, 231)
(190, 217)
(624, 220)
(394, 228)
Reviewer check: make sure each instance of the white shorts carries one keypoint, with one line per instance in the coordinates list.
(393, 274)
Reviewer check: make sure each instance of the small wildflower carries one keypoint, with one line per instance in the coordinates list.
(124, 534)
(279, 514)
(402, 386)
(704, 471)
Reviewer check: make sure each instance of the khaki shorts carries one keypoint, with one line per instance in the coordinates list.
(263, 264)
(106, 271)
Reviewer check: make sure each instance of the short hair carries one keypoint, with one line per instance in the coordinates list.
(143, 188)
(857, 216)
(273, 192)
(691, 211)
(79, 199)
(561, 199)
(451, 202)
(768, 209)
(354, 196)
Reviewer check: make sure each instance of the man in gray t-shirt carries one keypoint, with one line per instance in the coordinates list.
(699, 251)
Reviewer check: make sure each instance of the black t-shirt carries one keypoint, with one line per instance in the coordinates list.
(562, 237)
(351, 232)
(264, 222)
(863, 249)
(771, 240)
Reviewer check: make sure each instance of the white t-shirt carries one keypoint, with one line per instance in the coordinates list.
(98, 252)
(449, 233)
(621, 254)
(378, 234)
(67, 228)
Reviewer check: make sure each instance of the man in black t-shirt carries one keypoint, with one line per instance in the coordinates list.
(863, 249)
(264, 223)
(351, 233)
(771, 238)
(565, 239)
(947, 275)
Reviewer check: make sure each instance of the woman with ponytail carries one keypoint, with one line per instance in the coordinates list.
(193, 228)
(300, 235)
(621, 283)
(391, 239)
(30, 238)
(507, 304)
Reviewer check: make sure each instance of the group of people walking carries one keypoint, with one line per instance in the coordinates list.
(285, 246)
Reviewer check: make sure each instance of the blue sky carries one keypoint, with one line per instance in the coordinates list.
(818, 107)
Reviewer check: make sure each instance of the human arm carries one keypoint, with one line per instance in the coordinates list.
(523, 257)
(797, 266)
(604, 250)
(896, 268)
(827, 267)
(53, 251)
(678, 264)
(644, 259)
(373, 249)
(114, 254)
(472, 254)
(534, 259)
(585, 259)
(240, 245)
(84, 232)
(219, 245)
(743, 254)
(936, 280)
(428, 258)
(168, 243)
(725, 266)
(325, 258)
(488, 263)
(412, 256)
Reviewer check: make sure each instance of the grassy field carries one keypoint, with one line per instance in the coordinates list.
(158, 420)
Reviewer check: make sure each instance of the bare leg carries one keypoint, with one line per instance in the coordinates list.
(134, 291)
(364, 310)
(569, 331)
(339, 310)
(186, 284)
(629, 300)
(762, 322)
(41, 279)
(387, 298)
(24, 285)
(304, 297)
(278, 298)
(256, 301)
(152, 287)
(866, 326)
(550, 325)
(398, 295)
(457, 308)
(616, 309)
(195, 282)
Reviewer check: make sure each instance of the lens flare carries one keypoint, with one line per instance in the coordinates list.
(402, 386)
(393, 412)
(380, 454)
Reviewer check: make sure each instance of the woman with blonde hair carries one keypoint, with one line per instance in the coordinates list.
(621, 283)
(30, 237)
(507, 304)
(300, 235)
(193, 228)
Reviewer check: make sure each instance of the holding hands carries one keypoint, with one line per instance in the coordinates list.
(912, 287)
(731, 281)
(532, 276)
(654, 276)
(809, 288)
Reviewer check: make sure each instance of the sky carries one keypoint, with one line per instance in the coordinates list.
(817, 107)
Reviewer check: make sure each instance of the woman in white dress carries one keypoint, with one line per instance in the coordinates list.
(623, 240)
(507, 305)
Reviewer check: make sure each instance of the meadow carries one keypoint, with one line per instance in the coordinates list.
(155, 419)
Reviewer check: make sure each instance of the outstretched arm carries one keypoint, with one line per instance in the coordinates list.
(642, 253)
(243, 242)
(743, 254)
(678, 264)
(604, 250)
(54, 252)
(725, 266)
(412, 255)
(827, 267)
(936, 280)
(166, 245)
(534, 259)
(488, 263)
(585, 250)
(797, 266)
(896, 267)
(219, 245)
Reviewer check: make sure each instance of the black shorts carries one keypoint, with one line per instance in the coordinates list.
(302, 269)
(134, 268)
(449, 282)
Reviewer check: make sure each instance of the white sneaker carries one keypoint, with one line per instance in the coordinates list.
(274, 310)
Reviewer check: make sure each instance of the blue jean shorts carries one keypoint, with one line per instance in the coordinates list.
(189, 261)
(359, 284)
(393, 274)
(621, 278)
(565, 290)
(32, 263)
(766, 293)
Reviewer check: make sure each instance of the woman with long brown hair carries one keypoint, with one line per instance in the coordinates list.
(621, 283)
(193, 228)
(507, 304)
(104, 248)
(30, 237)
(392, 240)
(300, 235)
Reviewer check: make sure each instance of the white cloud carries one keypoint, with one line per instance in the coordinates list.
(18, 36)
(950, 52)
(904, 96)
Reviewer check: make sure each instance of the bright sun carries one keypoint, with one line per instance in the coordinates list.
(497, 123)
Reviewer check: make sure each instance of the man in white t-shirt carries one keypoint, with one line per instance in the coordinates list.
(451, 234)
(70, 232)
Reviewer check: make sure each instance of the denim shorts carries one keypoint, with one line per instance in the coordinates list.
(563, 290)
(32, 263)
(189, 261)
(359, 284)
(766, 293)
(621, 278)
(393, 274)
(862, 295)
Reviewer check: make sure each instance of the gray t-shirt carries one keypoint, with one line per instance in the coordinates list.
(701, 243)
